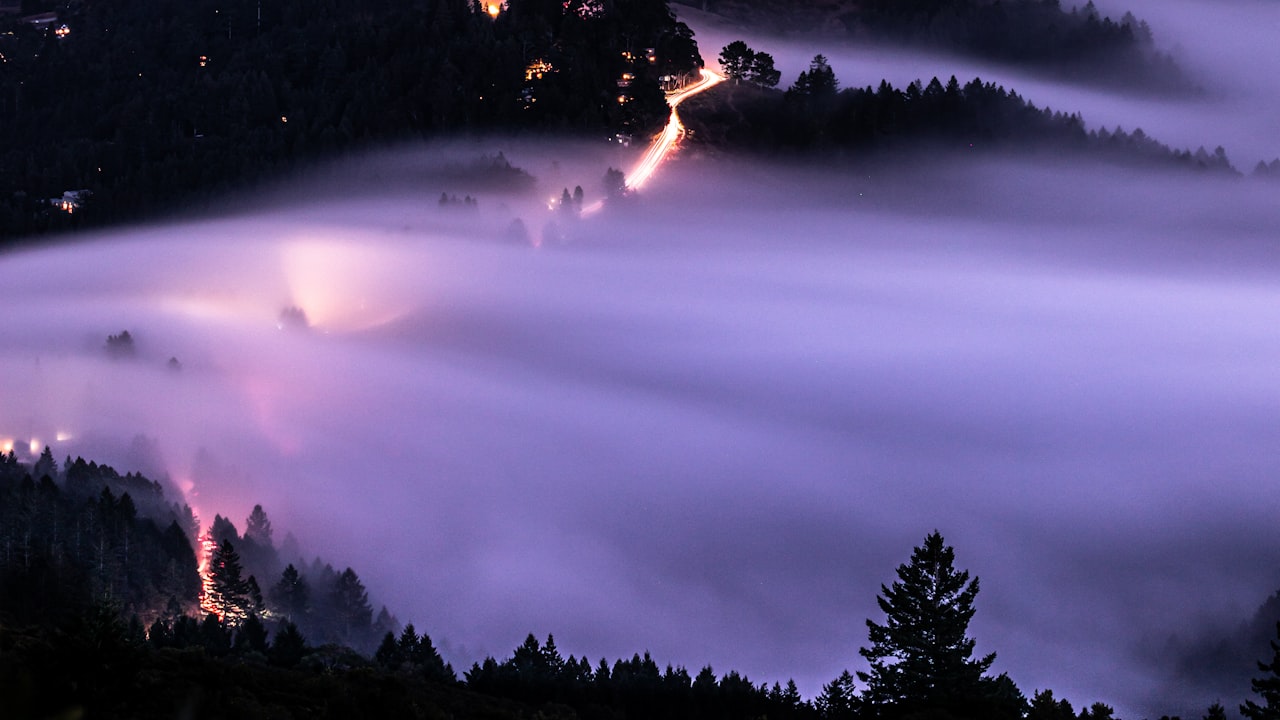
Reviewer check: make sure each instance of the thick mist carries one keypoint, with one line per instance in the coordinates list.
(709, 422)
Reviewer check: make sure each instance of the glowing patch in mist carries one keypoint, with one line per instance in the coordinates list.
(6, 445)
(34, 446)
(346, 285)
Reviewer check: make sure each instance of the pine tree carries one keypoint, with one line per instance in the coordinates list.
(288, 647)
(1267, 688)
(46, 466)
(231, 592)
(735, 60)
(818, 81)
(252, 636)
(351, 608)
(1044, 706)
(389, 655)
(838, 700)
(290, 595)
(258, 527)
(922, 658)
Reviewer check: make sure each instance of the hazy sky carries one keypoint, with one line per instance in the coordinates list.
(710, 424)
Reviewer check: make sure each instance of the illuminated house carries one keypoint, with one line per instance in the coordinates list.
(537, 69)
(70, 201)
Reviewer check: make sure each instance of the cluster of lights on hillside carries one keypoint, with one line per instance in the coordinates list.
(536, 69)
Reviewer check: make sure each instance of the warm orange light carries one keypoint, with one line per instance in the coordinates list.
(6, 445)
(207, 602)
(493, 9)
(537, 69)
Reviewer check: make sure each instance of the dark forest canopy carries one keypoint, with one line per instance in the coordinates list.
(151, 103)
(98, 616)
(1061, 39)
(816, 118)
(84, 535)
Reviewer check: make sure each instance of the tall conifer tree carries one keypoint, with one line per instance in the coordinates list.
(922, 657)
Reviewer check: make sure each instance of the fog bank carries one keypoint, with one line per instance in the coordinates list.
(708, 423)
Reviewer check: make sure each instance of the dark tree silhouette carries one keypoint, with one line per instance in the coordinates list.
(615, 183)
(231, 592)
(818, 81)
(839, 700)
(290, 595)
(258, 527)
(1044, 706)
(288, 646)
(121, 345)
(735, 60)
(760, 71)
(1266, 687)
(922, 657)
(351, 610)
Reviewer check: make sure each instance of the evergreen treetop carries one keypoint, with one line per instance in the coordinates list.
(922, 657)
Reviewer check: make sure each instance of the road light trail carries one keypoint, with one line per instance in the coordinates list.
(665, 142)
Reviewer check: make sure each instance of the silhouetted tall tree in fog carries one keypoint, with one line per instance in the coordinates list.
(258, 527)
(922, 657)
(290, 595)
(351, 610)
(45, 466)
(1267, 688)
(818, 81)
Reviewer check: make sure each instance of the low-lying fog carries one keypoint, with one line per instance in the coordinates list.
(711, 423)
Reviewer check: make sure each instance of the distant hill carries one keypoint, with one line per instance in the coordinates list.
(1077, 43)
(915, 121)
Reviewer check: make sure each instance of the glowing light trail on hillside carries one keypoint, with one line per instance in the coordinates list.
(666, 142)
(662, 145)
(208, 599)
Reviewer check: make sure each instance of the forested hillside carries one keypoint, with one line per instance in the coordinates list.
(816, 118)
(1076, 42)
(107, 611)
(150, 104)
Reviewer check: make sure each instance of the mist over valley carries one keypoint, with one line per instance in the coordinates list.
(706, 419)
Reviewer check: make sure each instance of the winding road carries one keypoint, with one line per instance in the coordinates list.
(666, 141)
